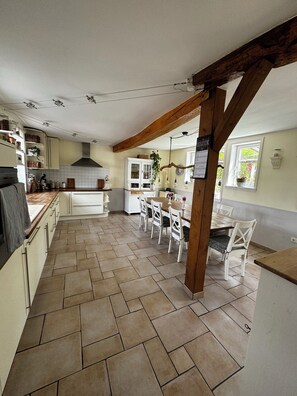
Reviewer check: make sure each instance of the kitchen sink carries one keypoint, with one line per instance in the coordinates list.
(34, 210)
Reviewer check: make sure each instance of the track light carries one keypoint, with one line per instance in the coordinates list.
(58, 102)
(30, 105)
(74, 134)
(91, 99)
(46, 124)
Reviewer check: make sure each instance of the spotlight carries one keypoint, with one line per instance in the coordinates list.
(91, 99)
(30, 105)
(58, 102)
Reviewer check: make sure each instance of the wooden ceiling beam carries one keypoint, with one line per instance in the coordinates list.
(169, 121)
(244, 94)
(278, 45)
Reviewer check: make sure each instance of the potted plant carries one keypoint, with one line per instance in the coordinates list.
(240, 180)
(156, 165)
(34, 151)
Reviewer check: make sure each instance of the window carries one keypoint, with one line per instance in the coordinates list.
(190, 160)
(219, 178)
(243, 166)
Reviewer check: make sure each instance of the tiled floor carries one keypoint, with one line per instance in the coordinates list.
(110, 316)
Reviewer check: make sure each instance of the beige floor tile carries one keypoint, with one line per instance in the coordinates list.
(61, 358)
(105, 287)
(253, 295)
(63, 271)
(158, 277)
(146, 252)
(156, 304)
(160, 361)
(125, 371)
(87, 263)
(134, 305)
(60, 323)
(77, 283)
(52, 284)
(143, 244)
(135, 328)
(91, 255)
(234, 314)
(113, 264)
(108, 274)
(246, 306)
(198, 308)
(190, 383)
(179, 327)
(239, 291)
(155, 261)
(48, 302)
(138, 288)
(50, 390)
(181, 360)
(122, 250)
(174, 269)
(231, 387)
(96, 274)
(92, 381)
(81, 255)
(78, 299)
(249, 281)
(105, 255)
(102, 350)
(231, 282)
(65, 260)
(174, 290)
(93, 327)
(47, 271)
(126, 274)
(31, 333)
(144, 267)
(215, 296)
(119, 305)
(99, 247)
(167, 258)
(212, 360)
(228, 333)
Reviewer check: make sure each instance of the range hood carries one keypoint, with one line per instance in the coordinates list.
(86, 161)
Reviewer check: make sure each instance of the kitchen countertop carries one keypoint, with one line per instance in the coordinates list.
(282, 263)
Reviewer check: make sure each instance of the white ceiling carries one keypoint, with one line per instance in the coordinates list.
(70, 48)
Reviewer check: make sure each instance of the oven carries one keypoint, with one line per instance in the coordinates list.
(8, 176)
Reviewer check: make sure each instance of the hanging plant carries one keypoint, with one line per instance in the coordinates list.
(156, 165)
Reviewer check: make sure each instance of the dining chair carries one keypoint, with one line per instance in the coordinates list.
(158, 219)
(145, 213)
(225, 210)
(177, 197)
(178, 231)
(235, 244)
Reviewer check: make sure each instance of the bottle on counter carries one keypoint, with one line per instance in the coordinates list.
(63, 184)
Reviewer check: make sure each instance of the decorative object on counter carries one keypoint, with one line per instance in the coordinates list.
(70, 183)
(100, 183)
(107, 182)
(184, 202)
(63, 185)
(156, 165)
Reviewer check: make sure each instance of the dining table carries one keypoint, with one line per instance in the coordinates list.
(218, 222)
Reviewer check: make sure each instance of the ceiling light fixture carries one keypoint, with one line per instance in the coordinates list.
(58, 102)
(172, 164)
(94, 141)
(30, 105)
(91, 99)
(46, 124)
(74, 134)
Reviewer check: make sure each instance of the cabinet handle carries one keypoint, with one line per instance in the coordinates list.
(47, 238)
(33, 236)
(27, 277)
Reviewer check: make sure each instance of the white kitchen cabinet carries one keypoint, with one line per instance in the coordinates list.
(132, 200)
(53, 153)
(7, 154)
(65, 203)
(86, 203)
(14, 303)
(138, 174)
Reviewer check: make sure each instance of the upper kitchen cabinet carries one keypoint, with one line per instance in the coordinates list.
(53, 153)
(36, 144)
(138, 174)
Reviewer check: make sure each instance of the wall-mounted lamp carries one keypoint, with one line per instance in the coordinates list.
(276, 160)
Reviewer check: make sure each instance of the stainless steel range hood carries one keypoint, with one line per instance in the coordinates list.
(86, 161)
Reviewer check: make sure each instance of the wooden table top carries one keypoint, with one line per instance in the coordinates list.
(218, 222)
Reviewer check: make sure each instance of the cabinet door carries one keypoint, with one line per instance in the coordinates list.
(146, 174)
(7, 155)
(53, 153)
(13, 309)
(65, 203)
(134, 174)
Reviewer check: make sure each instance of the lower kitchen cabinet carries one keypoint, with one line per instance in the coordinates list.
(83, 203)
(14, 304)
(132, 200)
(65, 203)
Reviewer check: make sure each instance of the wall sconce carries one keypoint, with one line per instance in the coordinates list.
(276, 159)
(175, 183)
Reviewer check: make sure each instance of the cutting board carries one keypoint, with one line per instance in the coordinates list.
(100, 184)
(70, 183)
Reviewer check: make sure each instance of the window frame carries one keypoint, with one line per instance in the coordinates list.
(190, 160)
(233, 161)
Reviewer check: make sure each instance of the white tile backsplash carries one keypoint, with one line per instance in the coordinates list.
(85, 177)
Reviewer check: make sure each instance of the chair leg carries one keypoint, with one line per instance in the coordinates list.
(180, 250)
(226, 263)
(140, 221)
(170, 244)
(243, 263)
(145, 224)
(160, 235)
(152, 232)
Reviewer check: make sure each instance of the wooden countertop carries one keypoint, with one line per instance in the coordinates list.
(40, 198)
(282, 263)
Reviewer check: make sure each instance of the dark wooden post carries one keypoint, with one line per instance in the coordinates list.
(211, 111)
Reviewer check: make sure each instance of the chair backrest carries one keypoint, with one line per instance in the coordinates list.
(143, 206)
(241, 235)
(177, 197)
(157, 216)
(225, 210)
(176, 225)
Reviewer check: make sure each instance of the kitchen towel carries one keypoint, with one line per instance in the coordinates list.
(15, 215)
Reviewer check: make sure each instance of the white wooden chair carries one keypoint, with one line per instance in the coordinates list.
(178, 231)
(235, 244)
(225, 210)
(158, 219)
(145, 213)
